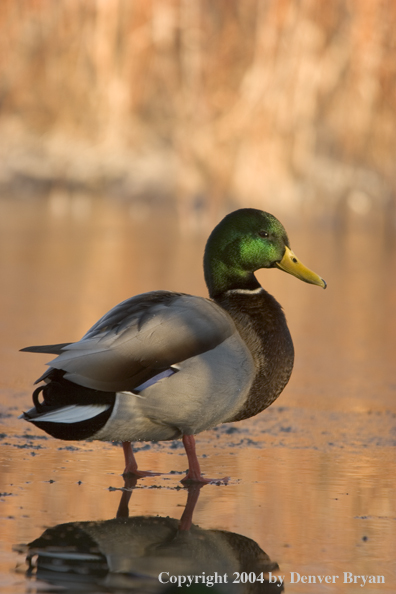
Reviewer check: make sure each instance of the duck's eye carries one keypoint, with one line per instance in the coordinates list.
(263, 233)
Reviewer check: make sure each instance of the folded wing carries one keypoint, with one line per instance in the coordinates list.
(140, 338)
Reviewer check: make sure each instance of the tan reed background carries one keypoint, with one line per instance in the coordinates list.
(283, 104)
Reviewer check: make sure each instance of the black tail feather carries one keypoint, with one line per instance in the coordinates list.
(36, 402)
(59, 393)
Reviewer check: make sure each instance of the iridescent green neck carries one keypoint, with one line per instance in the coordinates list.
(220, 278)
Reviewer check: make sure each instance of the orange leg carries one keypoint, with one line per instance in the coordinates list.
(194, 474)
(131, 464)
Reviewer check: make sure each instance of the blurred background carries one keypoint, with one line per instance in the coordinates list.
(128, 128)
(202, 106)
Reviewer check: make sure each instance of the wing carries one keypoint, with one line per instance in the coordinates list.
(142, 337)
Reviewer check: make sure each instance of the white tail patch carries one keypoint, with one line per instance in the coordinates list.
(74, 413)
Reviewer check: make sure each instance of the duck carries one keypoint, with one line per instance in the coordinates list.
(164, 365)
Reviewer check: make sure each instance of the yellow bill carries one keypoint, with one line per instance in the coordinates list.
(291, 264)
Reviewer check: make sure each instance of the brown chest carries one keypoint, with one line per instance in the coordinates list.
(262, 325)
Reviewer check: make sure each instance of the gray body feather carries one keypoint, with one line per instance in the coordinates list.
(146, 335)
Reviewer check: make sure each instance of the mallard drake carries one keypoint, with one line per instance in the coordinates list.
(164, 365)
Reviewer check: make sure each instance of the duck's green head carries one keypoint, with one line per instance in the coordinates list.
(247, 240)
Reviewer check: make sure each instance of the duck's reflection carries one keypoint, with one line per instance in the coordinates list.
(149, 554)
